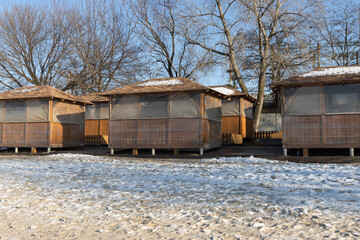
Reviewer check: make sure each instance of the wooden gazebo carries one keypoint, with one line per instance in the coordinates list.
(165, 113)
(237, 113)
(41, 117)
(96, 119)
(320, 109)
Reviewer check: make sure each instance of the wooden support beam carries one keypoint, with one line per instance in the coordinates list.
(135, 152)
(305, 152)
(33, 150)
(176, 152)
(285, 152)
(352, 154)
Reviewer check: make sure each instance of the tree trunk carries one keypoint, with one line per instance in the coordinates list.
(260, 97)
(232, 59)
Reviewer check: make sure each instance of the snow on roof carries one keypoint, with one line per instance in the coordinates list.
(25, 90)
(224, 90)
(172, 82)
(333, 71)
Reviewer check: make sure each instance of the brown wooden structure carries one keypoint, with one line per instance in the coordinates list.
(41, 117)
(165, 113)
(96, 119)
(237, 111)
(320, 109)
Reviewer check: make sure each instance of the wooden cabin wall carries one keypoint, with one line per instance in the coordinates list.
(66, 135)
(97, 127)
(230, 124)
(24, 134)
(321, 129)
(156, 133)
(239, 122)
(196, 129)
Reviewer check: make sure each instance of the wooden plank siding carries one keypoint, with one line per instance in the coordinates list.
(165, 133)
(97, 127)
(327, 131)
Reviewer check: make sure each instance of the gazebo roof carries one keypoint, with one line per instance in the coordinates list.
(95, 97)
(230, 91)
(40, 92)
(323, 76)
(162, 85)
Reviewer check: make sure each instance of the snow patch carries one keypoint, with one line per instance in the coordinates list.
(161, 83)
(333, 71)
(224, 90)
(25, 90)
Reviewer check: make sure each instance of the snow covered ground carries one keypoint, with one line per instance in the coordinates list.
(71, 196)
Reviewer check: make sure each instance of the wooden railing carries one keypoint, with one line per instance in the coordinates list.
(268, 135)
(96, 139)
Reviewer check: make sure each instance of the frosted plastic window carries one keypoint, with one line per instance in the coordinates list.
(302, 101)
(97, 111)
(38, 110)
(154, 106)
(15, 111)
(212, 108)
(342, 98)
(230, 107)
(124, 107)
(185, 105)
(1, 111)
(248, 109)
(68, 113)
(104, 110)
(92, 112)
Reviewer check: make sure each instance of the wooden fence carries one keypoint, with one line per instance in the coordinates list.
(268, 135)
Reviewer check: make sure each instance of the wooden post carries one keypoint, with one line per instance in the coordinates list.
(135, 152)
(153, 151)
(323, 118)
(352, 152)
(176, 151)
(242, 119)
(305, 152)
(50, 123)
(109, 124)
(33, 150)
(285, 151)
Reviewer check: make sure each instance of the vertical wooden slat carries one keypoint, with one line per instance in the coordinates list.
(202, 122)
(110, 141)
(50, 116)
(323, 119)
(169, 120)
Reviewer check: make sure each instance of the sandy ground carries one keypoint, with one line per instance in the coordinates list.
(30, 210)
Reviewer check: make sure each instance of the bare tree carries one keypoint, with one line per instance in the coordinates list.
(104, 53)
(33, 46)
(340, 29)
(159, 25)
(217, 34)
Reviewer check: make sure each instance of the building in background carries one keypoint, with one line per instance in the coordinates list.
(237, 113)
(96, 119)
